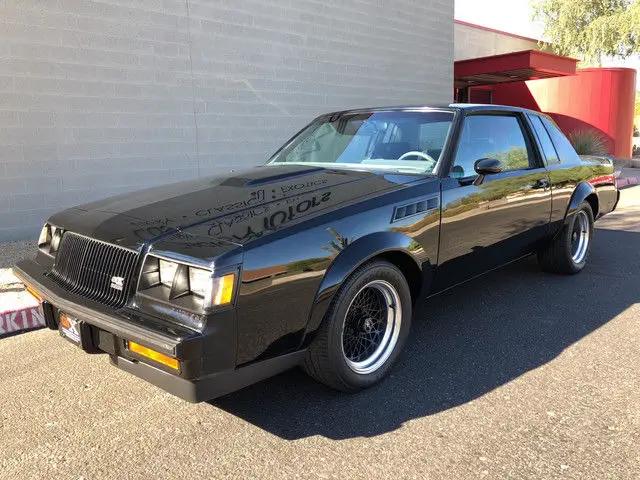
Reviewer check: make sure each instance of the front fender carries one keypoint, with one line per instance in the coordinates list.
(350, 259)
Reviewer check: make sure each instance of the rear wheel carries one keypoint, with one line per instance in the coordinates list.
(569, 251)
(364, 330)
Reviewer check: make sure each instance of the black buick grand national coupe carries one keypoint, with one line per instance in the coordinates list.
(315, 258)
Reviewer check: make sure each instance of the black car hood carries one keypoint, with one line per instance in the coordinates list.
(225, 210)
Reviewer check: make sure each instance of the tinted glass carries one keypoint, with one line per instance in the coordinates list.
(389, 141)
(564, 148)
(491, 136)
(545, 141)
(432, 136)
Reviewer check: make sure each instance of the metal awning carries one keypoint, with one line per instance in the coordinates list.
(512, 67)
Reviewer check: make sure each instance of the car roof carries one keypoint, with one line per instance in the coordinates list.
(466, 107)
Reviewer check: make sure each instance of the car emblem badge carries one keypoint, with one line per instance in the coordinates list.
(117, 283)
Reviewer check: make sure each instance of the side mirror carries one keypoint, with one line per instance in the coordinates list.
(487, 166)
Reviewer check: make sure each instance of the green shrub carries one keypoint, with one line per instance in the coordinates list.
(588, 142)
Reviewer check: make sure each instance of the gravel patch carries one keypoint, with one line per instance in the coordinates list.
(12, 252)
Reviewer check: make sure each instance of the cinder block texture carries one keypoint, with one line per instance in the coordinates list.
(99, 98)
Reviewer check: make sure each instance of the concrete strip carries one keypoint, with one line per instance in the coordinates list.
(626, 175)
(19, 310)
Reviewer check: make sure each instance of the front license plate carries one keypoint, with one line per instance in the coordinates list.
(70, 328)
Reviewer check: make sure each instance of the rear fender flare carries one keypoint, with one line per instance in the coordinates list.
(580, 194)
(350, 259)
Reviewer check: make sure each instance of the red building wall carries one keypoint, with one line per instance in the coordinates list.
(601, 99)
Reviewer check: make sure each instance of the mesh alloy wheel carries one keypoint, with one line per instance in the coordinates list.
(364, 329)
(371, 327)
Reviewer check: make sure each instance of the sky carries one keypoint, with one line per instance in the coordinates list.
(515, 16)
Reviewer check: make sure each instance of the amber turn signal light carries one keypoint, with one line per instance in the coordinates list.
(153, 355)
(224, 289)
(34, 294)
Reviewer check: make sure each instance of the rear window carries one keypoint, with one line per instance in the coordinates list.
(564, 148)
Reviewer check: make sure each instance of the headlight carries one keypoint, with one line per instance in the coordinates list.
(56, 236)
(200, 282)
(167, 272)
(45, 236)
(185, 285)
(49, 240)
(216, 290)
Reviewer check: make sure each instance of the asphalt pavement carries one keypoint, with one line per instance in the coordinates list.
(519, 374)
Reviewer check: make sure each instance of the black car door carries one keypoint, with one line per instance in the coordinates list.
(488, 220)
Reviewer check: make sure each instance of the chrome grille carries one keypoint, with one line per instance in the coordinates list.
(90, 268)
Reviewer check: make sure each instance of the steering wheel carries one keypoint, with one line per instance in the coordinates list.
(416, 153)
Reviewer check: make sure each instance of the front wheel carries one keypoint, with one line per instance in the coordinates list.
(569, 251)
(364, 330)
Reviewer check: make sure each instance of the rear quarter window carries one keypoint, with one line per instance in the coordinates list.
(565, 150)
(548, 149)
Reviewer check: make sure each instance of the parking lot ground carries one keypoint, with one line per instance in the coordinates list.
(518, 374)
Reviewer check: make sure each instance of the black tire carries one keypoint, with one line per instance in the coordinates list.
(326, 359)
(558, 256)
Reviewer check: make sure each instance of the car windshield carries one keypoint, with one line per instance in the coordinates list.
(410, 142)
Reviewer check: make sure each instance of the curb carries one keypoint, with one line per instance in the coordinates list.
(19, 310)
(627, 182)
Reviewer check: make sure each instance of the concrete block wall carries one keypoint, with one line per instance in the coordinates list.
(472, 41)
(103, 97)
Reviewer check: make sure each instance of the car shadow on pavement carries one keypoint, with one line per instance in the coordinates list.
(464, 343)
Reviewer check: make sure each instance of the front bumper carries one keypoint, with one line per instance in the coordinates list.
(207, 359)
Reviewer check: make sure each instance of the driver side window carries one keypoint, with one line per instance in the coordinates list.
(491, 136)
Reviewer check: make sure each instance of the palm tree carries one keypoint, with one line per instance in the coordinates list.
(337, 246)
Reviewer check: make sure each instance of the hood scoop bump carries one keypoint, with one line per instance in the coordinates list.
(258, 182)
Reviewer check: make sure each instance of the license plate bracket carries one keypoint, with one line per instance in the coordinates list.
(70, 328)
(77, 332)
